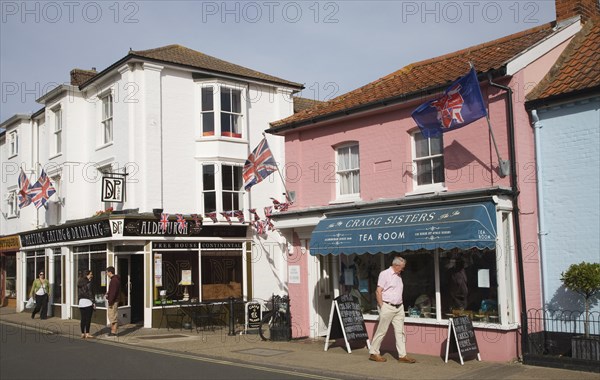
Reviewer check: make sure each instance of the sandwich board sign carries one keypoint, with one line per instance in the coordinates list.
(461, 338)
(346, 321)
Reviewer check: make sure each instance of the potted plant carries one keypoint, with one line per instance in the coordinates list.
(584, 278)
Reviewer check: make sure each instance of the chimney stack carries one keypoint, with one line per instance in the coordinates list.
(566, 9)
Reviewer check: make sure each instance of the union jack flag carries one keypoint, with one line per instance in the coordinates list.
(41, 190)
(212, 216)
(259, 165)
(227, 215)
(164, 221)
(239, 214)
(268, 211)
(253, 212)
(280, 206)
(24, 195)
(181, 221)
(197, 219)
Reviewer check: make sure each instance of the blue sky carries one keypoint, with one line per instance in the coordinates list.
(331, 47)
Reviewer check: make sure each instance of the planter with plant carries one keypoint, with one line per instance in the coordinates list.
(584, 279)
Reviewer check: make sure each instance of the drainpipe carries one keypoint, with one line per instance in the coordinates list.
(516, 212)
(537, 126)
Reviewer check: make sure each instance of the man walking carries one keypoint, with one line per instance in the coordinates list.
(391, 310)
(112, 297)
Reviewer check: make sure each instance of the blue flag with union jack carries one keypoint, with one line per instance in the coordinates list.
(460, 105)
(259, 165)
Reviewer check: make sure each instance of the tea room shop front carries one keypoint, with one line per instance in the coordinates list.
(459, 262)
(155, 261)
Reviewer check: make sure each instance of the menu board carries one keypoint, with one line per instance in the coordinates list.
(346, 321)
(461, 338)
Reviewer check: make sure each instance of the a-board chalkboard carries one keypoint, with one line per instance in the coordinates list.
(346, 321)
(461, 338)
(253, 312)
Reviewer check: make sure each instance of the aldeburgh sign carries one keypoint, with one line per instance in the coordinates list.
(87, 231)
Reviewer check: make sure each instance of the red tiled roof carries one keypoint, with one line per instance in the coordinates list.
(427, 74)
(184, 56)
(577, 69)
(79, 76)
(300, 104)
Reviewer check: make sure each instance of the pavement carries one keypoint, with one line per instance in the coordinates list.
(293, 357)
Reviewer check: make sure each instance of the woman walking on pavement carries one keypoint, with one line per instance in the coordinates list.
(40, 288)
(86, 302)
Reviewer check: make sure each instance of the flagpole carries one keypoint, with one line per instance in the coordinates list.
(503, 165)
(287, 194)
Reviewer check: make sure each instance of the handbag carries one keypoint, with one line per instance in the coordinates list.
(30, 303)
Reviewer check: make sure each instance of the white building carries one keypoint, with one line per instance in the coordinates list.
(177, 126)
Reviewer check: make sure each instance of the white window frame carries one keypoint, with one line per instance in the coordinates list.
(12, 204)
(219, 191)
(58, 128)
(13, 141)
(106, 118)
(218, 87)
(431, 187)
(341, 173)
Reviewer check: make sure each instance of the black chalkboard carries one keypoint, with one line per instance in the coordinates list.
(346, 321)
(253, 310)
(461, 338)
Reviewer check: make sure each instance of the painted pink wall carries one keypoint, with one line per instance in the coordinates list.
(299, 292)
(470, 163)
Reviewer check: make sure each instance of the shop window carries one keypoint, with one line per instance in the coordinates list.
(91, 257)
(10, 265)
(348, 171)
(428, 161)
(436, 285)
(221, 275)
(174, 263)
(57, 280)
(36, 263)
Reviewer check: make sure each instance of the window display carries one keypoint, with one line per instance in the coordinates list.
(436, 285)
(92, 257)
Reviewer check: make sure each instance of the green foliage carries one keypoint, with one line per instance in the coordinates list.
(583, 278)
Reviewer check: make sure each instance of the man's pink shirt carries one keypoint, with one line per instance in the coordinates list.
(392, 286)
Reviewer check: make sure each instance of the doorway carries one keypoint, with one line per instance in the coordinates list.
(131, 270)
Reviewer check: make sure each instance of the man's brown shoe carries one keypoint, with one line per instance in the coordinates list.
(406, 359)
(377, 358)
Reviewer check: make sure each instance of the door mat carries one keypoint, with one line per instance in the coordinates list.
(263, 352)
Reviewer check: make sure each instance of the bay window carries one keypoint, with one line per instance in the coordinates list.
(220, 111)
(222, 187)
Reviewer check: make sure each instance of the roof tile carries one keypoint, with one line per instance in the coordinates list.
(184, 56)
(577, 68)
(428, 74)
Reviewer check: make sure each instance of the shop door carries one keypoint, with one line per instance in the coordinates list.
(131, 270)
(324, 292)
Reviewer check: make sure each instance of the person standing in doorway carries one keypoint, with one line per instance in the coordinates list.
(86, 302)
(391, 310)
(112, 297)
(40, 288)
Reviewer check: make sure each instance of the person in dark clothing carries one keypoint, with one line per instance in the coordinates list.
(40, 289)
(459, 289)
(86, 302)
(112, 298)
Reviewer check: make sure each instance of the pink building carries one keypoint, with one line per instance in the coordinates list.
(367, 186)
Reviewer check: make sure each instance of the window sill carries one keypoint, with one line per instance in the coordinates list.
(444, 323)
(349, 199)
(106, 145)
(428, 190)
